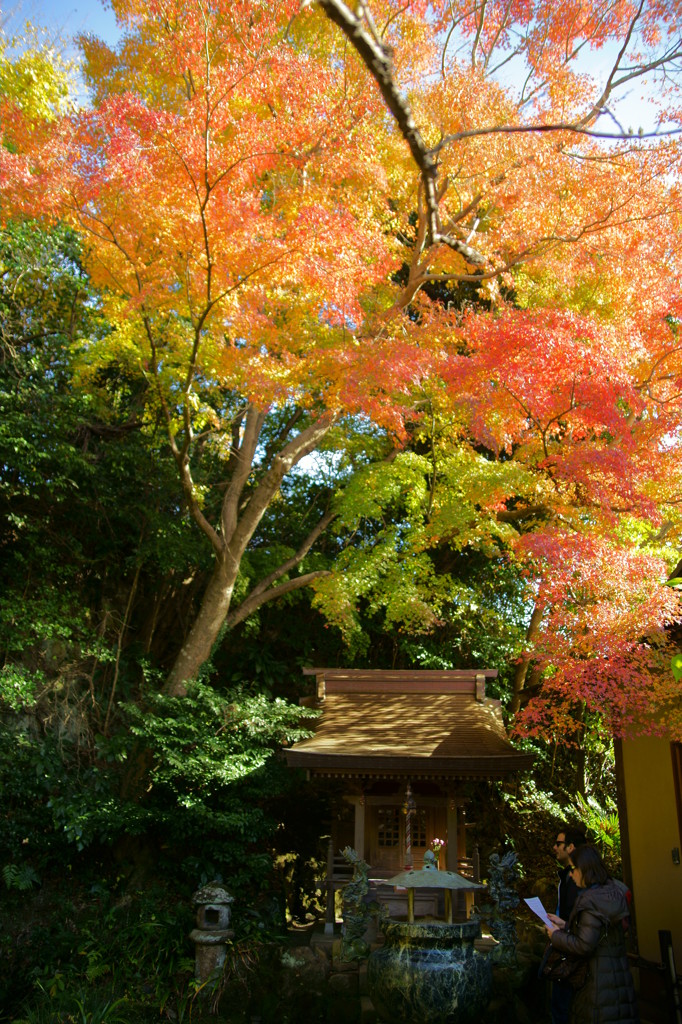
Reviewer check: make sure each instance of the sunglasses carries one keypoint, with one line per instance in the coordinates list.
(560, 842)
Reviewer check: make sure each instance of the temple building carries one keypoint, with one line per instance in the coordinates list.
(398, 747)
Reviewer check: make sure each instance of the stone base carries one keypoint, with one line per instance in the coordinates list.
(210, 950)
(343, 1010)
(323, 940)
(368, 1015)
(306, 983)
(430, 973)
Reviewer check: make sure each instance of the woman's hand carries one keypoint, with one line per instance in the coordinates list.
(558, 922)
(550, 929)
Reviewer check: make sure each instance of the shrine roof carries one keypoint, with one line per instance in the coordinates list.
(417, 723)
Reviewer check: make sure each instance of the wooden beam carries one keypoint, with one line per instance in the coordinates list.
(406, 673)
(465, 686)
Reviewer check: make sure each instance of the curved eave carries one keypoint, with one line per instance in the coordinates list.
(367, 765)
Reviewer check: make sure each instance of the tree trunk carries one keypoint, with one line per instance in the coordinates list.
(205, 631)
(524, 662)
(238, 522)
(580, 757)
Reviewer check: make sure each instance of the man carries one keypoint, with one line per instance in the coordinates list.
(566, 841)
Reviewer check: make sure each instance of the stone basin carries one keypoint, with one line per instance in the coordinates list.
(428, 972)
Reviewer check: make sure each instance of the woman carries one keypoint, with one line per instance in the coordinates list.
(596, 930)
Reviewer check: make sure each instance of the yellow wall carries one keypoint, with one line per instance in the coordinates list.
(654, 832)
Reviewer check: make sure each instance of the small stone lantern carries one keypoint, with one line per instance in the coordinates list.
(212, 933)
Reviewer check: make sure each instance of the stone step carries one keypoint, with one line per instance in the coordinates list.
(368, 1015)
(342, 984)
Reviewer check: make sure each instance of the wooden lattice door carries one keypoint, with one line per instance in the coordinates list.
(387, 837)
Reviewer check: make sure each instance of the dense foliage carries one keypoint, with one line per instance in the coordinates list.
(106, 783)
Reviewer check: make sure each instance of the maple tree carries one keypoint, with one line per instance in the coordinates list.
(305, 214)
(585, 401)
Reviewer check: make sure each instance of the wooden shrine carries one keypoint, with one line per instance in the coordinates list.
(401, 744)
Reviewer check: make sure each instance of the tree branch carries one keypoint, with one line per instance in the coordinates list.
(515, 515)
(558, 126)
(378, 59)
(264, 591)
(244, 454)
(524, 661)
(289, 456)
(254, 601)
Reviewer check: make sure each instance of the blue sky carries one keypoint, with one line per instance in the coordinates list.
(66, 17)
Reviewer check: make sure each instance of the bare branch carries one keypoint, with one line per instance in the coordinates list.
(244, 455)
(265, 591)
(254, 601)
(378, 59)
(559, 126)
(292, 453)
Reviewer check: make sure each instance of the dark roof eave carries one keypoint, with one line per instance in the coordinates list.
(367, 764)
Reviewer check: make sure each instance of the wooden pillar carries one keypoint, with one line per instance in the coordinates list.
(409, 808)
(359, 838)
(457, 902)
(462, 853)
(451, 835)
(461, 833)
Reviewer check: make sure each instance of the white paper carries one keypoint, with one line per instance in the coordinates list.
(536, 906)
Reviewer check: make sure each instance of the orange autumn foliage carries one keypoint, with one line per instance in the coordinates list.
(247, 179)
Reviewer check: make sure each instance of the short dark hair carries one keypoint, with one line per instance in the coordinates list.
(572, 834)
(590, 864)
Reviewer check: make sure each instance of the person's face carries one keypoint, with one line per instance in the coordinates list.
(576, 875)
(562, 852)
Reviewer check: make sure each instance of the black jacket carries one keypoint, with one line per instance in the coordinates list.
(567, 895)
(595, 930)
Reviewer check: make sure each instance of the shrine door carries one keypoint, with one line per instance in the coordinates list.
(387, 837)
